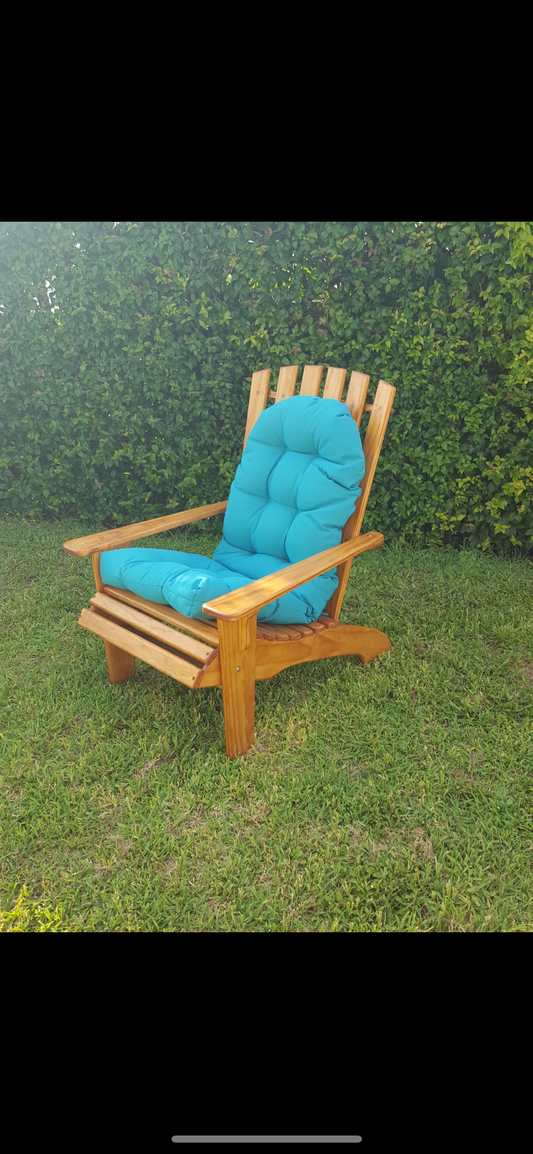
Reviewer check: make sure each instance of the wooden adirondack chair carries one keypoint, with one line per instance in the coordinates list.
(238, 652)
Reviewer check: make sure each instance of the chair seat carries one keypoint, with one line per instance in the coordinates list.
(187, 580)
(293, 492)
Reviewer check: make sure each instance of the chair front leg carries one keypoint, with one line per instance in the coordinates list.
(237, 664)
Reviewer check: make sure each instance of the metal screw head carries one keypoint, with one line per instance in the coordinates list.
(238, 669)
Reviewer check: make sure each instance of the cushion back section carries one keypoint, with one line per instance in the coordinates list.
(295, 488)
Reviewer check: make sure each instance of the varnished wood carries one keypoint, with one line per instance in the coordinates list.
(334, 385)
(96, 570)
(282, 632)
(372, 443)
(271, 657)
(124, 613)
(328, 622)
(368, 409)
(274, 656)
(136, 632)
(120, 538)
(96, 566)
(201, 629)
(212, 662)
(120, 665)
(355, 400)
(237, 667)
(257, 401)
(371, 447)
(272, 632)
(251, 598)
(285, 631)
(155, 655)
(165, 613)
(286, 382)
(311, 378)
(291, 632)
(267, 632)
(133, 630)
(210, 675)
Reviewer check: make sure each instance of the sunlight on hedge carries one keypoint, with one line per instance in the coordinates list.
(127, 350)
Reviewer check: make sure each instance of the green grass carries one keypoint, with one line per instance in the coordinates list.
(389, 797)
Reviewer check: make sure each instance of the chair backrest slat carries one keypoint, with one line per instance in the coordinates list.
(357, 390)
(258, 400)
(286, 382)
(375, 433)
(335, 383)
(311, 378)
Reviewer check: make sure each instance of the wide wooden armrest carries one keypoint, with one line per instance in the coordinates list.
(115, 538)
(250, 598)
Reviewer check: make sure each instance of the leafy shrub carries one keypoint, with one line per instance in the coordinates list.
(126, 353)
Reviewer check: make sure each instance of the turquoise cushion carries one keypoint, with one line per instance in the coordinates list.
(293, 492)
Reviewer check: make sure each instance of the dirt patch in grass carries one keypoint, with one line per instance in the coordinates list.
(148, 766)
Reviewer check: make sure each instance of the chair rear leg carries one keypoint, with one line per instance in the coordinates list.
(120, 664)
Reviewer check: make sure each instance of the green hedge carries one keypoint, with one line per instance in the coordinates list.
(124, 385)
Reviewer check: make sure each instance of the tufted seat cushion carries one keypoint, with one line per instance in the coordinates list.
(296, 486)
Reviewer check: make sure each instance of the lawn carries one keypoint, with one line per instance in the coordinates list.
(395, 796)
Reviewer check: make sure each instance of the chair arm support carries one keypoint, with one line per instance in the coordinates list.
(250, 598)
(115, 538)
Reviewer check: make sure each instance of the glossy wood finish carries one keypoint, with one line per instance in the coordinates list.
(120, 538)
(237, 667)
(357, 390)
(311, 378)
(165, 613)
(203, 629)
(95, 557)
(148, 624)
(130, 642)
(120, 665)
(96, 570)
(371, 447)
(286, 382)
(257, 401)
(251, 598)
(271, 657)
(334, 385)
